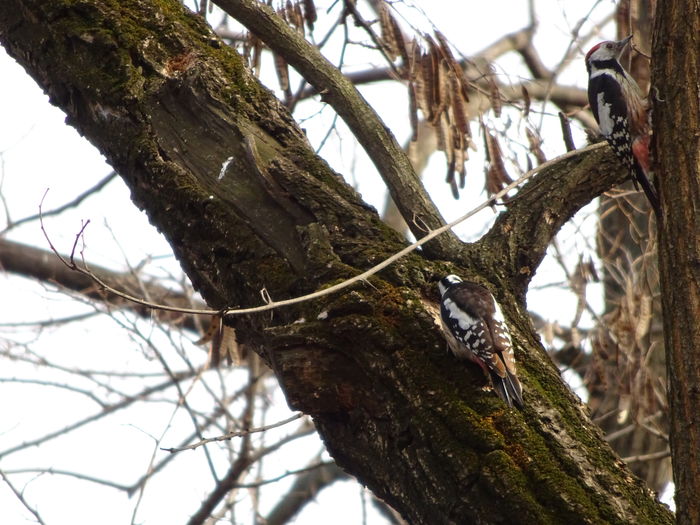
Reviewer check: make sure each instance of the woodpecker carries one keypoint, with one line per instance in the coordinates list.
(475, 329)
(621, 112)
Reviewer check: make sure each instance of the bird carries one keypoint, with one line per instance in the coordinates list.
(621, 112)
(475, 330)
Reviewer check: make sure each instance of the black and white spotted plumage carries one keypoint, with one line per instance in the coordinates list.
(621, 112)
(476, 330)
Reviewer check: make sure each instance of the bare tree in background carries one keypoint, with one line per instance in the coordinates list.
(231, 181)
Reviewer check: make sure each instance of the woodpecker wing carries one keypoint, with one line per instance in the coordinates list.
(610, 111)
(507, 385)
(463, 311)
(476, 330)
(609, 107)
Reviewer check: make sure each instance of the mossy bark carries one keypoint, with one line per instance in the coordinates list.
(230, 180)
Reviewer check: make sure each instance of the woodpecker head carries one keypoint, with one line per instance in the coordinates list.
(605, 51)
(448, 281)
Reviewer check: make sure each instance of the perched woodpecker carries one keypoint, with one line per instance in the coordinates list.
(621, 112)
(475, 329)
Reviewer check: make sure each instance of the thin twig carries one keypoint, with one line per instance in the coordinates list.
(71, 204)
(20, 497)
(238, 433)
(566, 131)
(648, 457)
(51, 322)
(257, 484)
(352, 8)
(110, 409)
(68, 473)
(54, 384)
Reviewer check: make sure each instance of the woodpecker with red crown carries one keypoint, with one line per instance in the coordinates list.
(476, 330)
(621, 112)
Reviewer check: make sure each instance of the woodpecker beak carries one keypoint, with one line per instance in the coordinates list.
(622, 44)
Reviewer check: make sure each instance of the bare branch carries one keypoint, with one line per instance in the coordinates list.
(72, 204)
(54, 384)
(238, 469)
(284, 475)
(648, 457)
(238, 433)
(303, 490)
(110, 409)
(223, 487)
(43, 265)
(67, 473)
(20, 496)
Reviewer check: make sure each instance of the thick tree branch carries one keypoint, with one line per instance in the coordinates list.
(338, 91)
(539, 210)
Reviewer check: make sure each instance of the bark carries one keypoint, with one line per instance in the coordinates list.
(339, 92)
(230, 180)
(676, 70)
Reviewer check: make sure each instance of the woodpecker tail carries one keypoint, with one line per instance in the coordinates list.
(641, 166)
(508, 388)
(648, 189)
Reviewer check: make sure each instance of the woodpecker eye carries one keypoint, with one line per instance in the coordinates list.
(609, 46)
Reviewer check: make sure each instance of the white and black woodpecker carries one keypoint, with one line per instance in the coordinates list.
(475, 329)
(621, 112)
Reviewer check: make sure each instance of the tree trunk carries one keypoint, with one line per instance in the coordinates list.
(230, 180)
(676, 70)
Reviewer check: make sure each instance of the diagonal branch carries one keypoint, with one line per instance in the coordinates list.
(304, 490)
(379, 143)
(19, 494)
(230, 435)
(541, 208)
(72, 204)
(43, 265)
